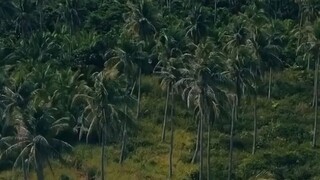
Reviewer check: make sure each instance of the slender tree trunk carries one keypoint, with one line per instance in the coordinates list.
(270, 79)
(124, 138)
(169, 5)
(102, 153)
(300, 25)
(308, 63)
(195, 155)
(201, 139)
(40, 18)
(172, 136)
(231, 139)
(208, 148)
(163, 137)
(254, 125)
(39, 171)
(103, 140)
(215, 12)
(314, 142)
(139, 94)
(25, 171)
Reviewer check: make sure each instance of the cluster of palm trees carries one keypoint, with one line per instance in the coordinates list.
(52, 81)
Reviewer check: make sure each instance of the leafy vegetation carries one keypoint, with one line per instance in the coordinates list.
(141, 89)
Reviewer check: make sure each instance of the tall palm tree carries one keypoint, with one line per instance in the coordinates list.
(170, 71)
(201, 87)
(169, 52)
(312, 45)
(141, 22)
(101, 113)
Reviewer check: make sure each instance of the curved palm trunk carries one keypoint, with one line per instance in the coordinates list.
(171, 138)
(270, 81)
(254, 125)
(233, 117)
(314, 142)
(197, 144)
(208, 148)
(139, 94)
(163, 137)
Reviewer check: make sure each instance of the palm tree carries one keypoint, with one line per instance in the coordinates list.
(197, 24)
(312, 44)
(170, 71)
(168, 48)
(201, 87)
(122, 64)
(141, 22)
(25, 21)
(101, 112)
(35, 139)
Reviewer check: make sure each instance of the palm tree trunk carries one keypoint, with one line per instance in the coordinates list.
(254, 125)
(124, 138)
(308, 63)
(102, 153)
(201, 139)
(215, 12)
(208, 148)
(197, 144)
(40, 19)
(231, 139)
(139, 94)
(169, 5)
(269, 86)
(103, 139)
(172, 134)
(314, 142)
(300, 24)
(163, 137)
(39, 171)
(25, 171)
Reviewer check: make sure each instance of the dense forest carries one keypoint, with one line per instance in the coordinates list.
(166, 89)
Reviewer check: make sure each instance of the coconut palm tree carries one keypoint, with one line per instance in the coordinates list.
(201, 87)
(311, 46)
(197, 24)
(35, 139)
(102, 114)
(141, 22)
(25, 21)
(168, 48)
